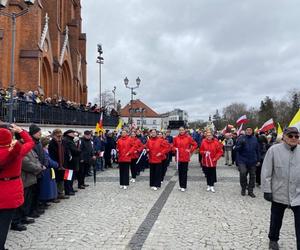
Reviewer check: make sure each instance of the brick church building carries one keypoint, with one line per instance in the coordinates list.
(50, 49)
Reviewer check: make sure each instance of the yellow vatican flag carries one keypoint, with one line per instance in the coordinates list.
(97, 129)
(296, 120)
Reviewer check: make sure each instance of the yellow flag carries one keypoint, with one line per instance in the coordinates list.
(97, 129)
(256, 129)
(52, 174)
(296, 120)
(120, 124)
(279, 129)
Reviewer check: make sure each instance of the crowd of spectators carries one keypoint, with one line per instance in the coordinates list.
(37, 98)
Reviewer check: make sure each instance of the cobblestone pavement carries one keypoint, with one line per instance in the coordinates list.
(106, 217)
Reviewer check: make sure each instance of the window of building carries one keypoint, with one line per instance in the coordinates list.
(138, 122)
(144, 122)
(154, 122)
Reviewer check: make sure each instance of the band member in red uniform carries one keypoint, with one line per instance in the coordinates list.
(125, 149)
(164, 162)
(11, 186)
(211, 151)
(138, 148)
(184, 146)
(157, 148)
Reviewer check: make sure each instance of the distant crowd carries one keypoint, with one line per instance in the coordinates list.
(55, 101)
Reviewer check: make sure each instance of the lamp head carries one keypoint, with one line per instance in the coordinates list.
(126, 81)
(100, 48)
(138, 81)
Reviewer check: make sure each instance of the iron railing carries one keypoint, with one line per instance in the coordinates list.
(28, 112)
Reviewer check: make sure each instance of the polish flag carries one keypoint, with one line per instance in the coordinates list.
(68, 175)
(243, 119)
(268, 125)
(101, 121)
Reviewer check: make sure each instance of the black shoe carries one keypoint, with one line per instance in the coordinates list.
(71, 193)
(55, 201)
(243, 192)
(252, 195)
(86, 185)
(81, 187)
(27, 220)
(34, 214)
(273, 245)
(75, 191)
(62, 197)
(18, 227)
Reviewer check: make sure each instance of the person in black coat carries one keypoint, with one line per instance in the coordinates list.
(87, 156)
(56, 153)
(110, 144)
(71, 159)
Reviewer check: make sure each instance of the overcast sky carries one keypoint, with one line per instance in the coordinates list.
(197, 55)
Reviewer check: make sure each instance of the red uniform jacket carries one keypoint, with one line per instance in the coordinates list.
(138, 147)
(186, 146)
(154, 146)
(11, 191)
(125, 148)
(211, 151)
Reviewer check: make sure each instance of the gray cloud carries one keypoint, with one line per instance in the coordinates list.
(196, 55)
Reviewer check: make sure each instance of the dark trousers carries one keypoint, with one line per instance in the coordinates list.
(244, 171)
(258, 173)
(133, 168)
(182, 171)
(5, 220)
(164, 168)
(69, 186)
(211, 175)
(277, 212)
(124, 173)
(24, 210)
(107, 161)
(84, 168)
(155, 174)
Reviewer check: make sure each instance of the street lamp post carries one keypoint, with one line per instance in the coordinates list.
(13, 17)
(138, 82)
(100, 60)
(114, 92)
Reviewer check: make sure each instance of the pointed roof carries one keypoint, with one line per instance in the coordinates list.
(137, 105)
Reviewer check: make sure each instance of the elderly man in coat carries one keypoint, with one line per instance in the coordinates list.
(281, 183)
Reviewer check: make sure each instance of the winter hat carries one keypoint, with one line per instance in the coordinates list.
(5, 137)
(33, 129)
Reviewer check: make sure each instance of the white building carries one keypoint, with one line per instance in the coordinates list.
(142, 115)
(174, 115)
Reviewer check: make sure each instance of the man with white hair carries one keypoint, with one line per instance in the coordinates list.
(281, 183)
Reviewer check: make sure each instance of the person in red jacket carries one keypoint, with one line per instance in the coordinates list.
(11, 186)
(156, 148)
(184, 145)
(125, 149)
(164, 162)
(211, 151)
(138, 148)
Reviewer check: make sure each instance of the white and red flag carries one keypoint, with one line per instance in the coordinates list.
(268, 125)
(68, 175)
(242, 120)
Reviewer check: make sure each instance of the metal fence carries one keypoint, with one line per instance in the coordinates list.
(28, 112)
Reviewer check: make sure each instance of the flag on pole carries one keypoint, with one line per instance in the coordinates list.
(240, 129)
(296, 121)
(243, 119)
(68, 175)
(279, 131)
(120, 124)
(268, 125)
(99, 124)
